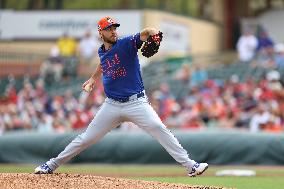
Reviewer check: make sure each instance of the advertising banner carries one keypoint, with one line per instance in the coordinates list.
(52, 24)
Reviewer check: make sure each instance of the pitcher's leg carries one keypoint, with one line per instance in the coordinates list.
(146, 118)
(105, 120)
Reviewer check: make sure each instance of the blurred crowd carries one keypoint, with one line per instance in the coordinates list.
(250, 105)
(32, 108)
(208, 104)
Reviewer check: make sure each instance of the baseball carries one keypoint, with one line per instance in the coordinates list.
(88, 87)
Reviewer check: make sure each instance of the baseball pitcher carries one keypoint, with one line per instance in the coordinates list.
(125, 97)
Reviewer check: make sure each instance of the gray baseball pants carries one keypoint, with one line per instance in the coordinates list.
(109, 116)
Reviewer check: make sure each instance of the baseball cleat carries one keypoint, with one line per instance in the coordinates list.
(198, 169)
(43, 169)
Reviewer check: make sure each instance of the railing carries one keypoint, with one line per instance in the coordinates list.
(19, 63)
(19, 56)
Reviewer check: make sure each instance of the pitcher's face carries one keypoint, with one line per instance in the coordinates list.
(109, 35)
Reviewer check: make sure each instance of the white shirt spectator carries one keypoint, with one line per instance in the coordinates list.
(246, 47)
(258, 119)
(87, 46)
(279, 55)
(2, 126)
(54, 51)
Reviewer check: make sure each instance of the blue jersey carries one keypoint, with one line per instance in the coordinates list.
(121, 68)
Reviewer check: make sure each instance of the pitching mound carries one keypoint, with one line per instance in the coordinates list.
(82, 181)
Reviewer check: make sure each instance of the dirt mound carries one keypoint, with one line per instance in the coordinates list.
(82, 181)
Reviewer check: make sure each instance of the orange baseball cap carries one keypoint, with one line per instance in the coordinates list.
(107, 22)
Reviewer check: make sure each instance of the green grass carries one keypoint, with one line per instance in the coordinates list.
(267, 177)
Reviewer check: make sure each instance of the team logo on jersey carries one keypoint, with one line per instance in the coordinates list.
(112, 67)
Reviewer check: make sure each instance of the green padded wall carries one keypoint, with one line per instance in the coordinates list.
(131, 147)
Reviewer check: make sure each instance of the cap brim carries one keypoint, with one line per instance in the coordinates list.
(116, 25)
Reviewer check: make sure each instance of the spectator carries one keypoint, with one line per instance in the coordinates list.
(2, 123)
(53, 65)
(183, 74)
(165, 100)
(273, 78)
(272, 125)
(198, 76)
(67, 45)
(32, 115)
(69, 102)
(246, 46)
(265, 50)
(79, 120)
(265, 43)
(193, 122)
(67, 48)
(60, 124)
(11, 94)
(228, 121)
(25, 95)
(40, 93)
(175, 119)
(87, 48)
(44, 122)
(279, 55)
(259, 119)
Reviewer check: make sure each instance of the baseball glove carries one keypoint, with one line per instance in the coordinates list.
(151, 46)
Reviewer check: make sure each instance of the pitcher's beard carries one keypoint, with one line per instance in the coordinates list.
(109, 40)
